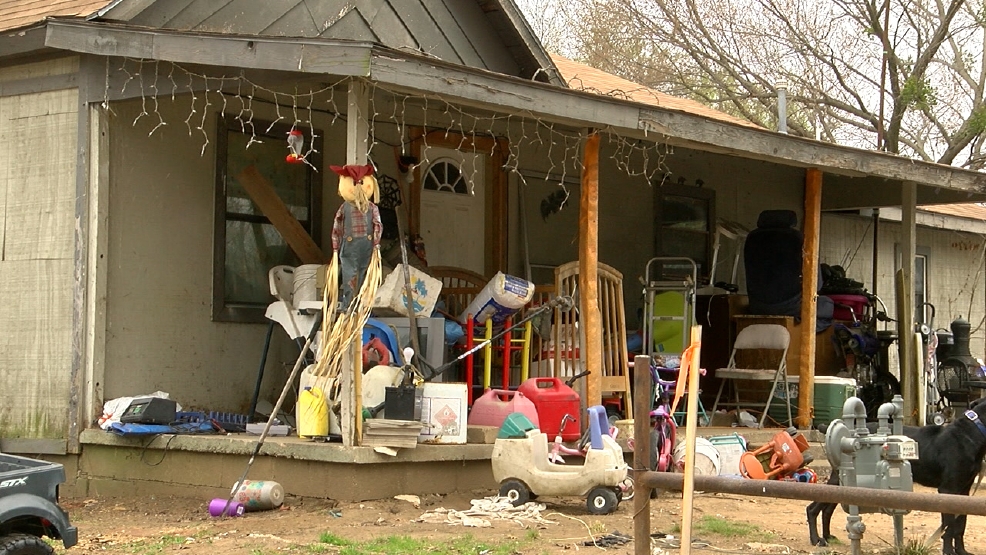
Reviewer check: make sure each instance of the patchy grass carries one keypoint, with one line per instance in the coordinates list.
(723, 527)
(153, 547)
(915, 546)
(406, 545)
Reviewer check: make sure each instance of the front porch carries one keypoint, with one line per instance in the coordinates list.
(207, 466)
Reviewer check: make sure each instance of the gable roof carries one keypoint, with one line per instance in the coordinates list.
(21, 13)
(485, 34)
(586, 78)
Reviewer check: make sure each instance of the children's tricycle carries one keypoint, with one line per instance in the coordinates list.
(521, 465)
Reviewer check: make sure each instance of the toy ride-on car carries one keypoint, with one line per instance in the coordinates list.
(29, 508)
(521, 465)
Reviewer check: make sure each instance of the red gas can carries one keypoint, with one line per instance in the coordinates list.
(493, 407)
(553, 399)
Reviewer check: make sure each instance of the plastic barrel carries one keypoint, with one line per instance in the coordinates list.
(258, 495)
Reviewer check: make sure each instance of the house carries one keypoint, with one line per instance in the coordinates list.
(134, 261)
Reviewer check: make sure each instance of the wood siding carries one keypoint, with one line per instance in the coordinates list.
(38, 136)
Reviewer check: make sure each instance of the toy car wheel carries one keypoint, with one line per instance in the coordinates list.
(602, 501)
(515, 491)
(626, 489)
(24, 544)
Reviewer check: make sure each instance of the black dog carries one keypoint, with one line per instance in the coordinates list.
(950, 459)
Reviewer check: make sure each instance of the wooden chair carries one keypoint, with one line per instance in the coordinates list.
(568, 335)
(459, 287)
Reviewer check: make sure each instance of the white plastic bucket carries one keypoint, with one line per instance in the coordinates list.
(443, 413)
(707, 460)
(306, 283)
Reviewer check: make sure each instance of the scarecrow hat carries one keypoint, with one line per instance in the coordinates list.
(355, 172)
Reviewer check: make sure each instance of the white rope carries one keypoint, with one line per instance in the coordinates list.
(485, 510)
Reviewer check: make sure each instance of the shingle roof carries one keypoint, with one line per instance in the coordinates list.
(21, 13)
(582, 77)
(970, 210)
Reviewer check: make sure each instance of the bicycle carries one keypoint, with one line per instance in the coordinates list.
(664, 429)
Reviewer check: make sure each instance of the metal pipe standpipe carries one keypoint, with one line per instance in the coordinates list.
(863, 497)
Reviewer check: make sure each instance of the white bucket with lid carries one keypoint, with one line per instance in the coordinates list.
(306, 283)
(707, 459)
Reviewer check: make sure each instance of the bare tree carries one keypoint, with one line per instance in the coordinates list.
(906, 76)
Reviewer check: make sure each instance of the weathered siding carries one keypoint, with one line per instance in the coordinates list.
(37, 204)
(160, 333)
(955, 268)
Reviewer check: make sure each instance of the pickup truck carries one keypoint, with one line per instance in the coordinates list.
(29, 507)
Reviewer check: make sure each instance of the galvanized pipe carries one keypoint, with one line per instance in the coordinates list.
(863, 497)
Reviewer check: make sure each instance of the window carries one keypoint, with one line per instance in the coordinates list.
(247, 245)
(684, 225)
(444, 175)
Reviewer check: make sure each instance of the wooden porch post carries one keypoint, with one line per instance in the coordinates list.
(588, 302)
(809, 296)
(357, 133)
(905, 302)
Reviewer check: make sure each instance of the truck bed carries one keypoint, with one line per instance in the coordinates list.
(42, 477)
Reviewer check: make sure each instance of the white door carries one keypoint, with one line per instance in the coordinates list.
(453, 209)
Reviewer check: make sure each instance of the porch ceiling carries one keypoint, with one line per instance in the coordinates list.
(853, 177)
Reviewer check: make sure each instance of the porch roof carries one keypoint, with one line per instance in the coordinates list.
(21, 13)
(855, 177)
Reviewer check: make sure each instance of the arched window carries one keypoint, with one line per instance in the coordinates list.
(444, 176)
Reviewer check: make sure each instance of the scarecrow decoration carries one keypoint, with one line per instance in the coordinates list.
(354, 273)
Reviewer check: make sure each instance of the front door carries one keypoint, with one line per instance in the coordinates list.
(453, 209)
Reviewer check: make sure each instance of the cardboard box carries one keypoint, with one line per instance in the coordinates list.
(391, 301)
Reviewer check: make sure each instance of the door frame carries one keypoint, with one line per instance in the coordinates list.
(496, 187)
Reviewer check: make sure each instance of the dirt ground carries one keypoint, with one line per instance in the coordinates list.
(171, 525)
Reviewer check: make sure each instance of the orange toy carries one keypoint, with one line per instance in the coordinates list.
(786, 457)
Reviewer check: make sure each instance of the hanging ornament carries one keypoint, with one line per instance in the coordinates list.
(296, 144)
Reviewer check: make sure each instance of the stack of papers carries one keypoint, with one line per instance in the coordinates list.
(381, 432)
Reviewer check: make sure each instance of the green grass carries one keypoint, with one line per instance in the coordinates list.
(406, 545)
(718, 525)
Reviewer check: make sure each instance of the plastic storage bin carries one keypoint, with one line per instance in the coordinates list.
(730, 449)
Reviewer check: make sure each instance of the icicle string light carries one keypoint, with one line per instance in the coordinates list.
(544, 144)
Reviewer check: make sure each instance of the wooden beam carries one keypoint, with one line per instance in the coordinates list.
(591, 319)
(261, 192)
(42, 83)
(285, 54)
(809, 296)
(357, 123)
(641, 457)
(909, 380)
(499, 208)
(579, 109)
(25, 43)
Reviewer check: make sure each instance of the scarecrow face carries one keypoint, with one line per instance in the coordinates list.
(347, 187)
